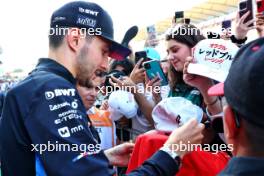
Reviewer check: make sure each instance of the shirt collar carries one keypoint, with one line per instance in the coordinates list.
(56, 68)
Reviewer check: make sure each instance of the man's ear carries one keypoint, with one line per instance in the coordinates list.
(230, 128)
(73, 38)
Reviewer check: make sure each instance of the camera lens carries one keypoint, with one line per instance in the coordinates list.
(147, 66)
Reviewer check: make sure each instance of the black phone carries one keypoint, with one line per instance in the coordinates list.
(244, 7)
(187, 20)
(139, 55)
(226, 24)
(178, 14)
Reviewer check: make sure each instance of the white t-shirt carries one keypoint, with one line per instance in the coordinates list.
(165, 90)
(139, 123)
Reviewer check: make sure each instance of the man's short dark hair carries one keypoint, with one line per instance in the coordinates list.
(55, 40)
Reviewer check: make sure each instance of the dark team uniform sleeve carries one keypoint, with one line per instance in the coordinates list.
(159, 164)
(57, 123)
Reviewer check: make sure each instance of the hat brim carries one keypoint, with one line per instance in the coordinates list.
(117, 51)
(216, 90)
(206, 71)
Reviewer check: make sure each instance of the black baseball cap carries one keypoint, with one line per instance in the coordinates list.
(244, 85)
(87, 15)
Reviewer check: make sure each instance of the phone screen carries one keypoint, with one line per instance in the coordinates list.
(151, 29)
(179, 14)
(152, 35)
(243, 5)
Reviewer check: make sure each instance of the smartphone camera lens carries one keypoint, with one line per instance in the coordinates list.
(147, 66)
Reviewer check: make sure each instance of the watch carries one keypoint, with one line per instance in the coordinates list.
(172, 153)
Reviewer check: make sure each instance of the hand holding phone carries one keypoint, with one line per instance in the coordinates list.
(247, 6)
(153, 70)
(139, 55)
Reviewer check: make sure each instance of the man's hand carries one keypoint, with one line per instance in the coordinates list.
(189, 133)
(120, 154)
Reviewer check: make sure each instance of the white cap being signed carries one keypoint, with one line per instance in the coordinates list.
(173, 112)
(213, 58)
(122, 103)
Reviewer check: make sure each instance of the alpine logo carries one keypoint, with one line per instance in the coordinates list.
(59, 92)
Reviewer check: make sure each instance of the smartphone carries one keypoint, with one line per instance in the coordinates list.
(178, 14)
(151, 29)
(139, 55)
(244, 7)
(153, 69)
(187, 20)
(260, 6)
(152, 35)
(226, 24)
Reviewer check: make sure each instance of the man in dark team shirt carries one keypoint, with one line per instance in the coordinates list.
(44, 111)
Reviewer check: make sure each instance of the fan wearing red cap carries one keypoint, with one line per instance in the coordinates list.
(243, 111)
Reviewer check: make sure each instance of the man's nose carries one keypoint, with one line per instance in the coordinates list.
(104, 64)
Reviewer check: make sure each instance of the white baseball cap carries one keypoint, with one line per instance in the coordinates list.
(173, 112)
(213, 58)
(122, 103)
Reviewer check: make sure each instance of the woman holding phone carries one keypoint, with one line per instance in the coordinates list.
(180, 41)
